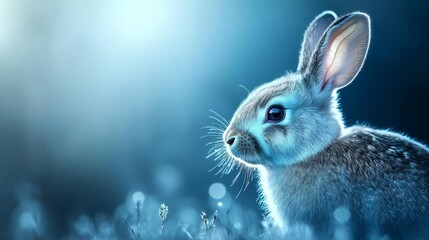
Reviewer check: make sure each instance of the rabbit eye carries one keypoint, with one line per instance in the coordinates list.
(275, 113)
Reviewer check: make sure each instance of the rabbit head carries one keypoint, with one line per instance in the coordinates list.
(295, 116)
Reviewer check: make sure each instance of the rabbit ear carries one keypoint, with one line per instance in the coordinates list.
(341, 51)
(312, 36)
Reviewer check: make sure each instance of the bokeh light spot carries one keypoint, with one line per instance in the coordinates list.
(217, 190)
(342, 215)
(138, 197)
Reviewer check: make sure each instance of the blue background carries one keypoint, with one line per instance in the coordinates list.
(102, 98)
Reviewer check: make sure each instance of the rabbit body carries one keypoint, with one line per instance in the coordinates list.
(379, 177)
(313, 171)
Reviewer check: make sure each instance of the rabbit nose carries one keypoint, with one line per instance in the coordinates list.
(230, 141)
(230, 137)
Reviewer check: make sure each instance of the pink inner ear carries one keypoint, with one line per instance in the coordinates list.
(338, 54)
(327, 62)
(325, 82)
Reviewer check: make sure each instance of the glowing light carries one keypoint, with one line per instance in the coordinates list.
(237, 225)
(219, 204)
(217, 190)
(8, 22)
(342, 215)
(138, 197)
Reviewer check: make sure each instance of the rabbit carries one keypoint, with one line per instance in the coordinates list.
(316, 174)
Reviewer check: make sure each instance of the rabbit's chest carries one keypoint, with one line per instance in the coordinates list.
(304, 198)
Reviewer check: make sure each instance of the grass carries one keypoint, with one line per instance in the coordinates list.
(142, 217)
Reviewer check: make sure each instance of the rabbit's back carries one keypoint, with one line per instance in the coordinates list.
(380, 177)
(387, 171)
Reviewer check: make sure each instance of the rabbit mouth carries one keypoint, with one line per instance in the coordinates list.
(244, 148)
(243, 158)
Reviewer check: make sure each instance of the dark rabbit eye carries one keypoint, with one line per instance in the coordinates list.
(275, 113)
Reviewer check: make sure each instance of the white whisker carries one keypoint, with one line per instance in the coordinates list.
(215, 133)
(236, 176)
(214, 148)
(214, 142)
(206, 136)
(226, 122)
(218, 122)
(225, 162)
(245, 88)
(212, 128)
(213, 153)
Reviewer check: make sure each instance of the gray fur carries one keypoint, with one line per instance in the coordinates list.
(311, 167)
(380, 176)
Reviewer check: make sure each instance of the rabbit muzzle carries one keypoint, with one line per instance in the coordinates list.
(242, 145)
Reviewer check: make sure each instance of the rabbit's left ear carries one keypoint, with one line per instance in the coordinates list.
(340, 52)
(312, 36)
